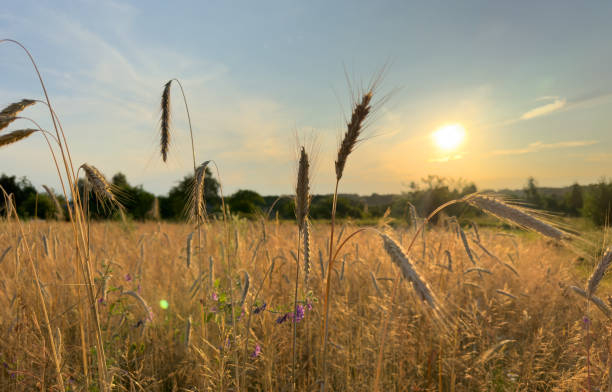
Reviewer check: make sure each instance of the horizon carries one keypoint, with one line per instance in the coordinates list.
(530, 86)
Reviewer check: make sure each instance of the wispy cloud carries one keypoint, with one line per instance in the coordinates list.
(544, 109)
(539, 146)
(446, 158)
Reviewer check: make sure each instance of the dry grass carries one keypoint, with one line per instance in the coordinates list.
(544, 320)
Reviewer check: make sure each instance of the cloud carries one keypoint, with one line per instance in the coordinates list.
(539, 146)
(544, 109)
(446, 158)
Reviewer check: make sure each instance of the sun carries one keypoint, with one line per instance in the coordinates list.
(449, 137)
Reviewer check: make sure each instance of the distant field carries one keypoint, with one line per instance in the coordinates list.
(511, 321)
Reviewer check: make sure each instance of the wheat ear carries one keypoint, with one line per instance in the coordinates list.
(399, 257)
(353, 131)
(599, 272)
(197, 199)
(515, 215)
(60, 212)
(165, 121)
(595, 299)
(103, 190)
(307, 247)
(9, 113)
(15, 136)
(302, 188)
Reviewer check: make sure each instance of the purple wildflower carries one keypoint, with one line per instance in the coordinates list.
(128, 277)
(260, 309)
(282, 319)
(309, 306)
(299, 314)
(257, 351)
(215, 297)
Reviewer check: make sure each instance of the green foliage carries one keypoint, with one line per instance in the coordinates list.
(598, 203)
(246, 203)
(136, 201)
(590, 201)
(321, 207)
(431, 194)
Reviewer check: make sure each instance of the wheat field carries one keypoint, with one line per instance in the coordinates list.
(225, 303)
(508, 330)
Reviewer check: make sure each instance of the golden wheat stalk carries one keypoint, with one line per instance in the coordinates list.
(197, 198)
(595, 299)
(9, 113)
(399, 257)
(104, 191)
(15, 136)
(59, 214)
(353, 131)
(165, 121)
(307, 247)
(515, 215)
(302, 188)
(599, 272)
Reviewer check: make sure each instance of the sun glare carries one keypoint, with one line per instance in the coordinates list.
(449, 137)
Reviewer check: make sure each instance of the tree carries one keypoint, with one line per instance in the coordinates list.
(136, 201)
(598, 203)
(321, 207)
(574, 200)
(22, 190)
(246, 202)
(531, 193)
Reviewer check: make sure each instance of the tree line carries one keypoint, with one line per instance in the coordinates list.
(592, 201)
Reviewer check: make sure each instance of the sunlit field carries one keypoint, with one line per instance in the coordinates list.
(461, 290)
(513, 323)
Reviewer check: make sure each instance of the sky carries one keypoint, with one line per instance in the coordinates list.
(529, 82)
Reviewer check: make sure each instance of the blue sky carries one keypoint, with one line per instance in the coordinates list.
(531, 82)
